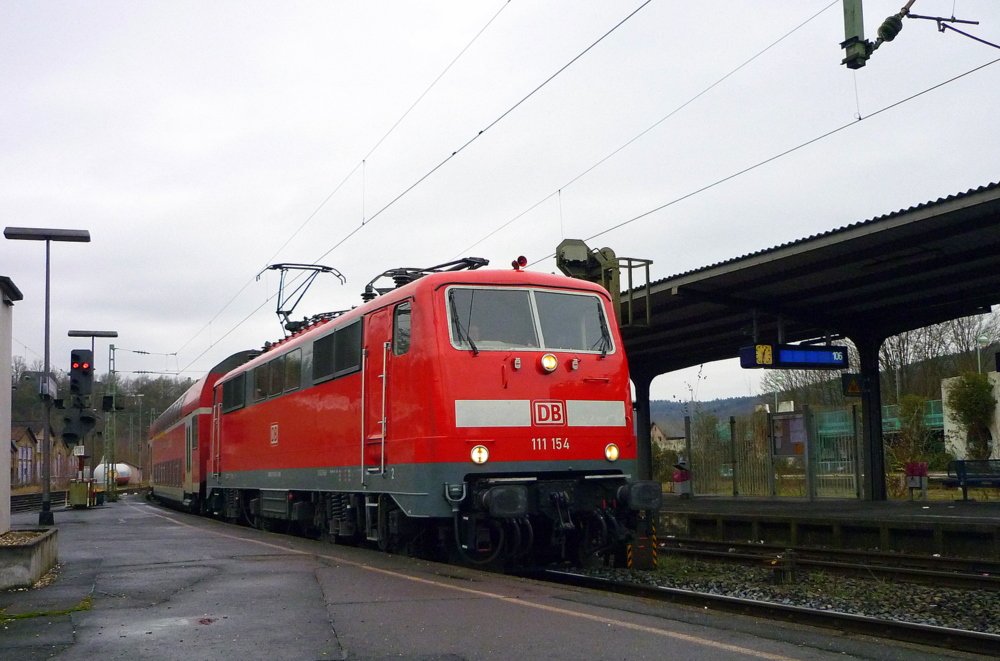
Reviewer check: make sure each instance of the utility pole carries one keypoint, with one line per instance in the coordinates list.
(857, 48)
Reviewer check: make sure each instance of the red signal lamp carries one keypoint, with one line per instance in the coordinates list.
(519, 263)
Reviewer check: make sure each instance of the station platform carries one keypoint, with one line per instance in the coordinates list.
(139, 582)
(963, 529)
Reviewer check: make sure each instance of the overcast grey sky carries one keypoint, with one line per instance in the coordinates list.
(200, 142)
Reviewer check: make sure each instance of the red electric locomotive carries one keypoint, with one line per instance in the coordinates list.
(483, 412)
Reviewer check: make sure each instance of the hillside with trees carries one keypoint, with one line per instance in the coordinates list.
(669, 414)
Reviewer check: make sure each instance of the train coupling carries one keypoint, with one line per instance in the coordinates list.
(505, 501)
(641, 495)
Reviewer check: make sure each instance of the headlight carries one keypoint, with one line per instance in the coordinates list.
(610, 452)
(549, 362)
(480, 455)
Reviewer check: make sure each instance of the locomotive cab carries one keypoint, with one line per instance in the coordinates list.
(542, 410)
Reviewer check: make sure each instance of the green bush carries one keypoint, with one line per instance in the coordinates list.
(970, 398)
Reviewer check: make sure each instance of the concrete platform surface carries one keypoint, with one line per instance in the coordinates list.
(140, 582)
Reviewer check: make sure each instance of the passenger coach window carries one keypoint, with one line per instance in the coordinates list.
(401, 329)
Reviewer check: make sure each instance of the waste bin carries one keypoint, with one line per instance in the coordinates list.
(79, 493)
(682, 479)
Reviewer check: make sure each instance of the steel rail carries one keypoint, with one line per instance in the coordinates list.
(31, 502)
(893, 559)
(923, 634)
(953, 572)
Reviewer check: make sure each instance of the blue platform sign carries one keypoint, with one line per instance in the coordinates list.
(794, 356)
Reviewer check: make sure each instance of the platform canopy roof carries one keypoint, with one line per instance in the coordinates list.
(872, 279)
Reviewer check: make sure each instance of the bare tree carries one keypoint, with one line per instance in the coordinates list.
(905, 361)
(962, 336)
(914, 362)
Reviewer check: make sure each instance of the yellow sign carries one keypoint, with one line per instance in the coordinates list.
(851, 385)
(764, 354)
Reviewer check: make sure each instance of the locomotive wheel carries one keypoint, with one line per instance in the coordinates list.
(474, 557)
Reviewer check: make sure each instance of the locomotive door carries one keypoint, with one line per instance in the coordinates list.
(374, 431)
(215, 449)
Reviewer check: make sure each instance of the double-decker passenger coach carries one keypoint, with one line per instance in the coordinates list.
(178, 440)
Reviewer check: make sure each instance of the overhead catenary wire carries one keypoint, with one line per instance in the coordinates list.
(147, 353)
(647, 130)
(435, 81)
(500, 118)
(729, 177)
(489, 126)
(28, 348)
(347, 177)
(229, 332)
(779, 155)
(455, 153)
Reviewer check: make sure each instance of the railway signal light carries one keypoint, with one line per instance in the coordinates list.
(88, 418)
(77, 423)
(72, 432)
(81, 371)
(108, 404)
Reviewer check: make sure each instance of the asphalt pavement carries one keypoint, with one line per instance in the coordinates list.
(136, 581)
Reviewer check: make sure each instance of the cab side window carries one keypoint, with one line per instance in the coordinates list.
(401, 328)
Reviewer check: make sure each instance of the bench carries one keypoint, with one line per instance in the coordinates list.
(967, 473)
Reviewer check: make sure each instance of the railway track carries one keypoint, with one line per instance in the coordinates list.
(30, 502)
(980, 574)
(922, 634)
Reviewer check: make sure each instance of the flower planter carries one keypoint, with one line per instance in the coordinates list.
(26, 560)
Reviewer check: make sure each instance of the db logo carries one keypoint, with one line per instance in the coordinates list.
(548, 412)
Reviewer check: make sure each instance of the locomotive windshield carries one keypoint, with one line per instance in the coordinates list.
(501, 319)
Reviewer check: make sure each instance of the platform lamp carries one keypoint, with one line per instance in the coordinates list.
(92, 334)
(981, 343)
(47, 235)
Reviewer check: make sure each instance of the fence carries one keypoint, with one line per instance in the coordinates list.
(805, 454)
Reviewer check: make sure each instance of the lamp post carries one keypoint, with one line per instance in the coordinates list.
(981, 343)
(47, 235)
(92, 334)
